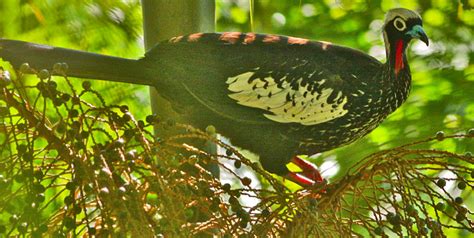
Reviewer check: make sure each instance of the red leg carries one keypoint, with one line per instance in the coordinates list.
(309, 170)
(300, 179)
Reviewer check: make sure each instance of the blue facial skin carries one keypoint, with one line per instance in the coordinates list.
(418, 32)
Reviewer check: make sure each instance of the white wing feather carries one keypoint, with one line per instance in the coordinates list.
(303, 107)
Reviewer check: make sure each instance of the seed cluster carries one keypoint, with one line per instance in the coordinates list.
(73, 168)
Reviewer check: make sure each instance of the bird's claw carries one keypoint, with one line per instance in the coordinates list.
(309, 170)
(308, 177)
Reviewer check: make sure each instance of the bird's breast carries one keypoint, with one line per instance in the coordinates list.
(366, 109)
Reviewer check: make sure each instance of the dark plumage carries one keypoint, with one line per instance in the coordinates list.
(274, 95)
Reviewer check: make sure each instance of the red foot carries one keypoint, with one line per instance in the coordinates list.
(310, 171)
(300, 179)
(308, 177)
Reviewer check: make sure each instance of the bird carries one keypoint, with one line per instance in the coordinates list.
(277, 96)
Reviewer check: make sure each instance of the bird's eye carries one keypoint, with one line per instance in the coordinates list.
(399, 24)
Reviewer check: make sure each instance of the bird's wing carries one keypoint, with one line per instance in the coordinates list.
(266, 78)
(289, 98)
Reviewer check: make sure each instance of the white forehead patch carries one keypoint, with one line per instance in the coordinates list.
(284, 102)
(405, 14)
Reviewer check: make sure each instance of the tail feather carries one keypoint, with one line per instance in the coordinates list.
(81, 64)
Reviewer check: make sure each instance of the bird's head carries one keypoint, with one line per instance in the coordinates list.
(401, 25)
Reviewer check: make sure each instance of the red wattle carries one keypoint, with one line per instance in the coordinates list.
(399, 57)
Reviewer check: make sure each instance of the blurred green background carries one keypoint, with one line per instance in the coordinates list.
(443, 74)
(442, 97)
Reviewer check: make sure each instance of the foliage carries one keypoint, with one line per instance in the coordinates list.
(91, 169)
(150, 187)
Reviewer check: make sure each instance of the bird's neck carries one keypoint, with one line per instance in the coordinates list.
(397, 72)
(396, 57)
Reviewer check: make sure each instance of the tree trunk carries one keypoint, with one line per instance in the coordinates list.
(163, 19)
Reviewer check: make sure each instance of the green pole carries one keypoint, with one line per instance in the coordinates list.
(162, 20)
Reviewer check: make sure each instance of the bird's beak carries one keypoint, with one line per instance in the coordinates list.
(418, 32)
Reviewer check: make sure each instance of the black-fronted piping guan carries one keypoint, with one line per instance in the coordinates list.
(277, 96)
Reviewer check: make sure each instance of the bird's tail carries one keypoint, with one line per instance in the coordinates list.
(81, 64)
